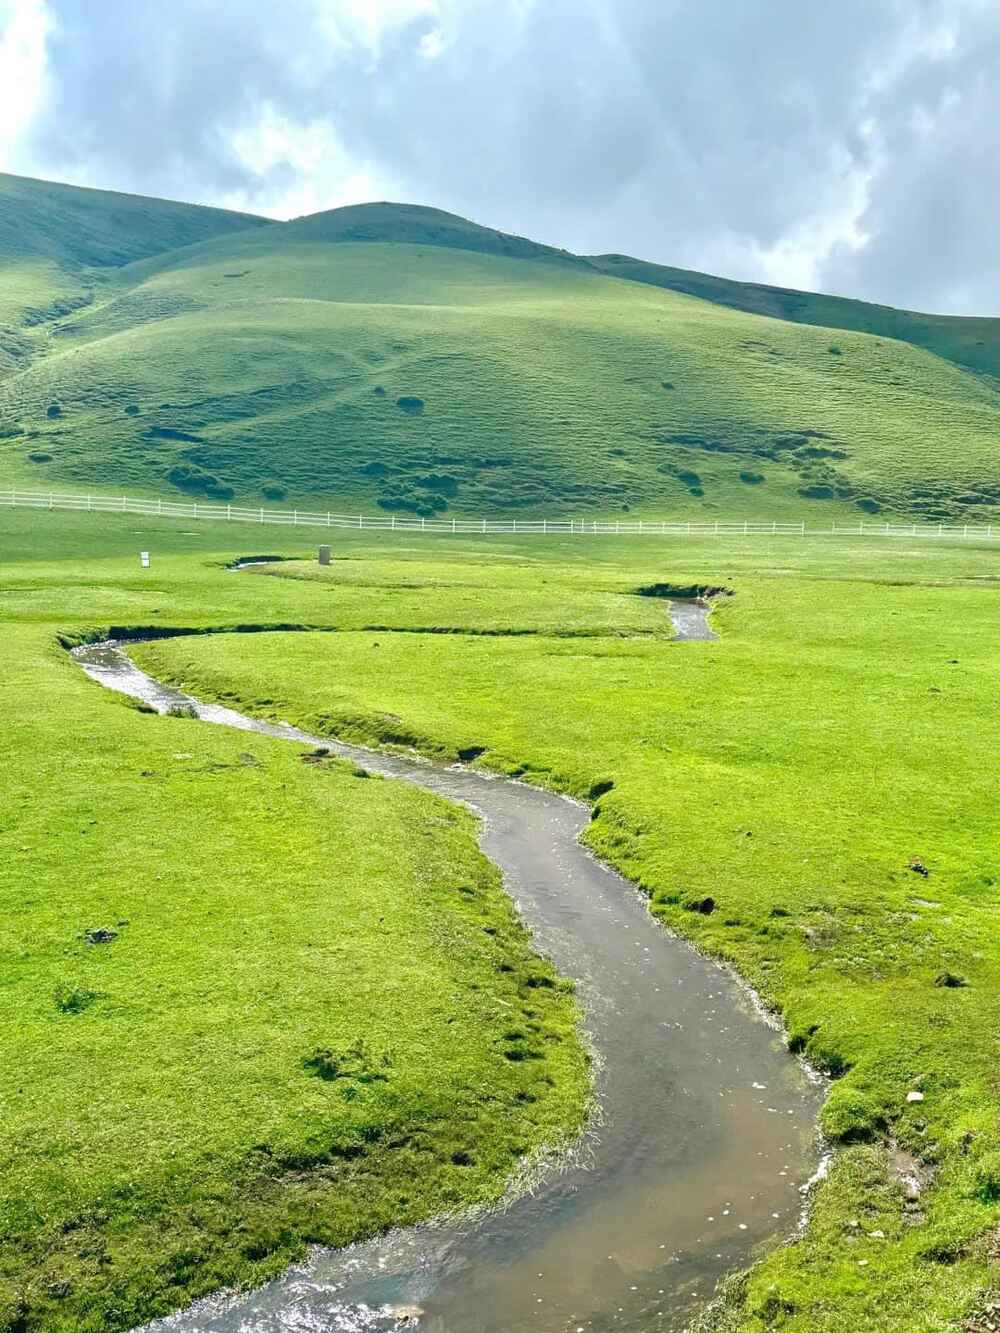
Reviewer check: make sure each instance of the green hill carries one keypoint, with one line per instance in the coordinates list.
(973, 343)
(58, 243)
(398, 356)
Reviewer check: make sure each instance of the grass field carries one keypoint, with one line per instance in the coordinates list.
(397, 357)
(803, 772)
(167, 1126)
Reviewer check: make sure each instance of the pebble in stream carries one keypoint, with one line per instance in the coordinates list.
(705, 1134)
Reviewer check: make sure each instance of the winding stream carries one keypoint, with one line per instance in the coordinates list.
(703, 1142)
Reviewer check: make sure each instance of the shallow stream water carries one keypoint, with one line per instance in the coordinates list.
(702, 1143)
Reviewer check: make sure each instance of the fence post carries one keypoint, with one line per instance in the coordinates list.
(360, 521)
(965, 531)
(746, 527)
(545, 525)
(515, 525)
(262, 513)
(774, 528)
(453, 523)
(295, 516)
(51, 503)
(90, 505)
(423, 524)
(328, 518)
(195, 515)
(229, 511)
(392, 523)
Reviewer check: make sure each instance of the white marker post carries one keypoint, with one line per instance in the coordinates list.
(144, 559)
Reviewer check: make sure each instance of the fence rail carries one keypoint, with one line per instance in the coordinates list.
(195, 510)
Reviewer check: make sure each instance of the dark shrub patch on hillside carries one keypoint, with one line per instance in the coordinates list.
(378, 391)
(53, 410)
(819, 451)
(869, 505)
(820, 491)
(273, 490)
(170, 433)
(441, 482)
(423, 504)
(132, 410)
(752, 478)
(413, 406)
(189, 477)
(39, 457)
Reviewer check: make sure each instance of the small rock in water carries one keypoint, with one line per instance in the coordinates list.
(405, 1315)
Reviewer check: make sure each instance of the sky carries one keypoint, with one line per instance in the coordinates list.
(850, 148)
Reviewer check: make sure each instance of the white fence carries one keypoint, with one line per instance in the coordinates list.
(103, 504)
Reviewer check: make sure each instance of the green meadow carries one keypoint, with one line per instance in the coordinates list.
(824, 773)
(249, 1003)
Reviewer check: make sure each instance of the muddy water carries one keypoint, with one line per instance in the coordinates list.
(690, 620)
(703, 1138)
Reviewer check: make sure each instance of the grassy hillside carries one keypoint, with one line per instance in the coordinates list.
(971, 342)
(58, 243)
(399, 357)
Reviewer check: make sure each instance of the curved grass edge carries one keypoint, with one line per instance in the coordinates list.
(140, 1254)
(864, 1188)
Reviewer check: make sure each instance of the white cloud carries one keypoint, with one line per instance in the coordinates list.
(24, 28)
(366, 22)
(310, 155)
(431, 44)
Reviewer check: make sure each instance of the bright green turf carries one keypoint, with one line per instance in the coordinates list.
(160, 1135)
(400, 357)
(844, 724)
(831, 723)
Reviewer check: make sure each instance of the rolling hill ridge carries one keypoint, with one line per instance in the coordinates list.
(399, 356)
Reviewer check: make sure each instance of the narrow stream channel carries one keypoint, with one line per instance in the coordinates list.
(704, 1137)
